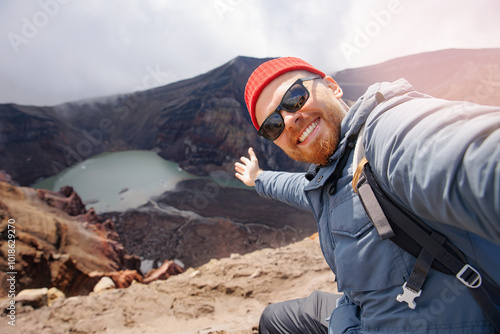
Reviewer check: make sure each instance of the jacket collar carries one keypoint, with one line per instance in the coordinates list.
(352, 123)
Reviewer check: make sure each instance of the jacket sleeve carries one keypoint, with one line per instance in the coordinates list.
(283, 186)
(441, 159)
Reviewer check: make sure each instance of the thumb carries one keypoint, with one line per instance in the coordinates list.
(251, 153)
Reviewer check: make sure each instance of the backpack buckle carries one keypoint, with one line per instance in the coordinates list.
(470, 277)
(409, 296)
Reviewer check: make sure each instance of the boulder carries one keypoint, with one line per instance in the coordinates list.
(53, 294)
(167, 269)
(33, 297)
(66, 200)
(105, 283)
(124, 278)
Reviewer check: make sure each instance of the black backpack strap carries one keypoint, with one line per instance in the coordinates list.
(413, 287)
(402, 227)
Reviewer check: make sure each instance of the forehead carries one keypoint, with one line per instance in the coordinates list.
(272, 94)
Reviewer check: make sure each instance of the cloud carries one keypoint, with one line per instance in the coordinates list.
(397, 28)
(55, 51)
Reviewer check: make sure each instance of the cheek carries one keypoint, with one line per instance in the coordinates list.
(281, 142)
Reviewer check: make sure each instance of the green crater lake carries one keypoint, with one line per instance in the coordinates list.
(118, 181)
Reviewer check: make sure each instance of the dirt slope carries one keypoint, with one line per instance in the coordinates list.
(222, 296)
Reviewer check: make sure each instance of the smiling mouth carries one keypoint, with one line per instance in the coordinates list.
(307, 132)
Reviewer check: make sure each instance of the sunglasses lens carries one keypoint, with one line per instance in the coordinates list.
(295, 98)
(272, 127)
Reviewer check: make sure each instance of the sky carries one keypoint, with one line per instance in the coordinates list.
(56, 51)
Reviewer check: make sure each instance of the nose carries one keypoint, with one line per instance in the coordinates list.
(291, 118)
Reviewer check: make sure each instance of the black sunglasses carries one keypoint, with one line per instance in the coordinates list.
(293, 99)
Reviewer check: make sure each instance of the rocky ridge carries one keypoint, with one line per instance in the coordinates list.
(57, 242)
(454, 74)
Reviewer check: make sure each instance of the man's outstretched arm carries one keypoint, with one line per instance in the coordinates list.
(282, 186)
(442, 160)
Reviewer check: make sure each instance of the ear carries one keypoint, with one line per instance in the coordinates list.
(334, 86)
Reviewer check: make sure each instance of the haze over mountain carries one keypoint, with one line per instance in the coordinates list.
(469, 75)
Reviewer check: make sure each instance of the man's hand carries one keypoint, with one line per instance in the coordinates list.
(248, 170)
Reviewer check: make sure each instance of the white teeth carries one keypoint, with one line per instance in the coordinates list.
(308, 131)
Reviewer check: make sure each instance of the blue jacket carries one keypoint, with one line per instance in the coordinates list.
(440, 159)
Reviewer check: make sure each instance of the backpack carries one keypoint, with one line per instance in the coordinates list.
(431, 248)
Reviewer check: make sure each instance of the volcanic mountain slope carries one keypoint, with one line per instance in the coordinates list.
(202, 123)
(469, 75)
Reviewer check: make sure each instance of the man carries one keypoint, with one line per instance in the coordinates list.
(439, 159)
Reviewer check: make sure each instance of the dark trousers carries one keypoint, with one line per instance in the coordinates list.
(306, 315)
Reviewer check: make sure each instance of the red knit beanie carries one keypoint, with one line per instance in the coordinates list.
(266, 73)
